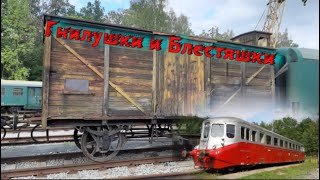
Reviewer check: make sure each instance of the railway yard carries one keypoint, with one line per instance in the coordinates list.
(60, 158)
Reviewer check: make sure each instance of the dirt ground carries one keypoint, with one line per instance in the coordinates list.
(310, 175)
(247, 173)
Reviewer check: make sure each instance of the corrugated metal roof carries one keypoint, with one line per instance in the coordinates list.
(309, 53)
(254, 31)
(21, 83)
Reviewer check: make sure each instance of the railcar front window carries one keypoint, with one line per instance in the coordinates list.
(206, 130)
(217, 130)
(230, 130)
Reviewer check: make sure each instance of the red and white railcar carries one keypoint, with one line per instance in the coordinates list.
(228, 142)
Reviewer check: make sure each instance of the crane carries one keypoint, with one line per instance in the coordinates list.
(273, 19)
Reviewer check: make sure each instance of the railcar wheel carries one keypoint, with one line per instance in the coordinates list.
(4, 133)
(231, 169)
(34, 137)
(101, 148)
(32, 131)
(77, 137)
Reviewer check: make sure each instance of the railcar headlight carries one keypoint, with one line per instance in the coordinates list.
(196, 147)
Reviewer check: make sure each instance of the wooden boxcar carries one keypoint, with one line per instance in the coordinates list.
(113, 85)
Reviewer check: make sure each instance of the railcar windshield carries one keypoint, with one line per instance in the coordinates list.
(217, 130)
(206, 129)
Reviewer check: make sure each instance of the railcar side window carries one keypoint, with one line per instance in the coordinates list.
(286, 144)
(268, 139)
(253, 135)
(262, 138)
(290, 146)
(242, 132)
(247, 133)
(230, 130)
(293, 146)
(206, 129)
(217, 130)
(275, 141)
(3, 91)
(17, 92)
(281, 143)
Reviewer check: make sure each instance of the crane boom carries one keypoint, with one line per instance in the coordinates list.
(273, 19)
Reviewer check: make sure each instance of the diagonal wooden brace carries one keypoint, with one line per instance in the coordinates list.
(117, 88)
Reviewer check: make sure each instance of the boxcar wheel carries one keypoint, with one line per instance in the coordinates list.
(100, 150)
(77, 137)
(4, 133)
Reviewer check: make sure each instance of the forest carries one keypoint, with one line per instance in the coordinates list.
(22, 43)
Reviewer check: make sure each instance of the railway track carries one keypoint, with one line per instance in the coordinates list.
(13, 141)
(69, 155)
(72, 168)
(177, 175)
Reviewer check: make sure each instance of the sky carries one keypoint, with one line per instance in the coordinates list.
(239, 15)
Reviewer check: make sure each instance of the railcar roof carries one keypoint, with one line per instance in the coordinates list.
(309, 53)
(238, 120)
(21, 83)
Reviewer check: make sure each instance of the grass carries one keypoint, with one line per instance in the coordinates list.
(206, 175)
(310, 164)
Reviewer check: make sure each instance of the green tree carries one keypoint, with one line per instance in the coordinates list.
(93, 11)
(114, 17)
(17, 36)
(285, 41)
(215, 34)
(151, 15)
(265, 125)
(305, 132)
(309, 135)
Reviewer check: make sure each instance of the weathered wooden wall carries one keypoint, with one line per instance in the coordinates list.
(227, 78)
(65, 65)
(130, 69)
(180, 84)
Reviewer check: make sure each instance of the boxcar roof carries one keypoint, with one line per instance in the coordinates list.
(93, 23)
(21, 83)
(238, 120)
(309, 53)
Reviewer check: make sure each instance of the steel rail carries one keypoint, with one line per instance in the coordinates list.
(69, 155)
(42, 171)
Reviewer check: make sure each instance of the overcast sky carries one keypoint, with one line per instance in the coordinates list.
(239, 15)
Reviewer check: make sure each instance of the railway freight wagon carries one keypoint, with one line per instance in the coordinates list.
(20, 95)
(104, 79)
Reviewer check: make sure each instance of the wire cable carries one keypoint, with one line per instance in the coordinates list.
(261, 16)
